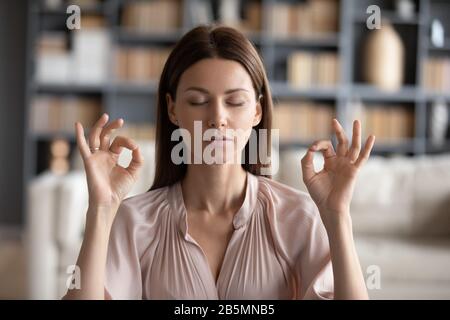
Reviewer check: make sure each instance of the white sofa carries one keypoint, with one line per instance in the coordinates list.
(400, 213)
(401, 221)
(55, 223)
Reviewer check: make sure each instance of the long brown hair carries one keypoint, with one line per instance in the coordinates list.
(203, 42)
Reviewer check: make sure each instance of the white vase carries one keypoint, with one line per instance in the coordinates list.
(438, 123)
(384, 53)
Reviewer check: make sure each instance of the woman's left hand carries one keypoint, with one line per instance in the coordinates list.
(332, 187)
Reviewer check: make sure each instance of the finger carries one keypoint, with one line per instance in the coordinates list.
(342, 146)
(326, 147)
(308, 165)
(136, 162)
(106, 133)
(366, 152)
(122, 142)
(81, 141)
(354, 150)
(94, 135)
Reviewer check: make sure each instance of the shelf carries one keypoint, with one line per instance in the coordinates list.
(445, 147)
(134, 87)
(405, 146)
(118, 87)
(117, 95)
(68, 88)
(49, 136)
(130, 36)
(445, 48)
(391, 16)
(326, 41)
(407, 93)
(282, 90)
(437, 96)
(95, 9)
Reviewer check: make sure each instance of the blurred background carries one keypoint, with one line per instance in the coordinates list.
(385, 62)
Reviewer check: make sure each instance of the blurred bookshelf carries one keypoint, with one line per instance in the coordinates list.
(312, 51)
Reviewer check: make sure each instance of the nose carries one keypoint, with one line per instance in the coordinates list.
(217, 116)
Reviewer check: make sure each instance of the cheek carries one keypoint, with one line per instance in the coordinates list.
(243, 119)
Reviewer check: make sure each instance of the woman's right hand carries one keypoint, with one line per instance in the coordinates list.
(108, 182)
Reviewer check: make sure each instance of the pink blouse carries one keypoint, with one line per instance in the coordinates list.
(279, 249)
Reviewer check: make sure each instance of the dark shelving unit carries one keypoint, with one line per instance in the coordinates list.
(137, 102)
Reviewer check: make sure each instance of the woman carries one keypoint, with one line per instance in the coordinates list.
(221, 230)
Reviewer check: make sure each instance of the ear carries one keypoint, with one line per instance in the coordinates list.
(171, 109)
(258, 113)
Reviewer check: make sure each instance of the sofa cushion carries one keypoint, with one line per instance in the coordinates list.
(383, 198)
(432, 195)
(406, 258)
(72, 195)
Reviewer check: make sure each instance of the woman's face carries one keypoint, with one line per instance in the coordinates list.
(217, 94)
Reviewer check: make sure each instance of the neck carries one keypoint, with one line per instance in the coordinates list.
(214, 189)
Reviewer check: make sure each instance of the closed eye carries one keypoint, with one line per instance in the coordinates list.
(239, 104)
(198, 103)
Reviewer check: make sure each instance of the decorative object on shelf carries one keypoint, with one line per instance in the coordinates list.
(355, 110)
(384, 58)
(438, 122)
(405, 9)
(53, 4)
(437, 34)
(201, 12)
(59, 152)
(311, 69)
(229, 12)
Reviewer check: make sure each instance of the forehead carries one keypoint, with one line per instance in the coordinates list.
(216, 75)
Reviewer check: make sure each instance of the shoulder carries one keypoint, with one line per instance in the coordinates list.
(144, 208)
(286, 201)
(293, 217)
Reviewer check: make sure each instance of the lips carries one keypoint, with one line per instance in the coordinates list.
(221, 138)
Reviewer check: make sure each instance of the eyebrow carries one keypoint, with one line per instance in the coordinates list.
(206, 91)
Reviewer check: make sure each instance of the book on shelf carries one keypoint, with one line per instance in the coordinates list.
(324, 16)
(140, 64)
(51, 42)
(156, 16)
(253, 17)
(93, 22)
(86, 62)
(229, 13)
(91, 48)
(436, 76)
(300, 69)
(137, 131)
(201, 12)
(278, 20)
(54, 114)
(310, 19)
(389, 123)
(303, 121)
(52, 57)
(306, 69)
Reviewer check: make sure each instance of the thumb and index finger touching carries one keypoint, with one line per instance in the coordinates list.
(99, 136)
